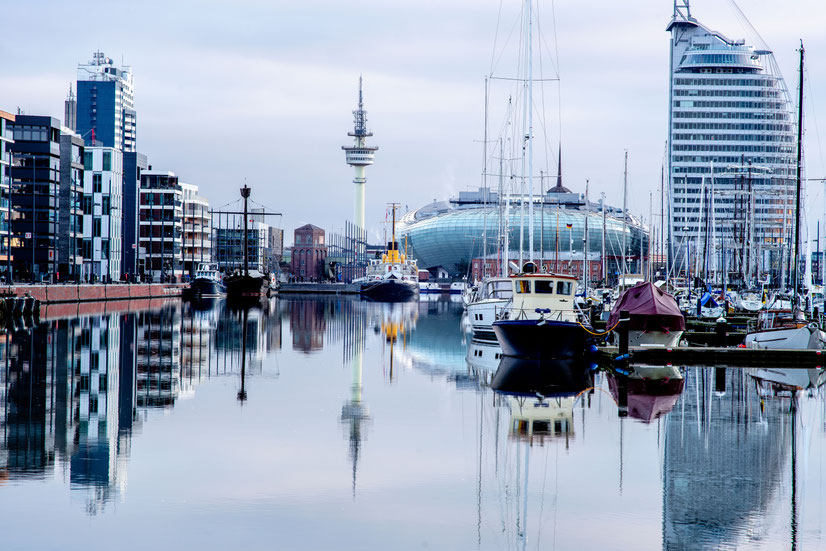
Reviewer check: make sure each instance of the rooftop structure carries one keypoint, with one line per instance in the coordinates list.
(359, 155)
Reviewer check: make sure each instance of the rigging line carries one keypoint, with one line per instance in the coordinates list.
(749, 28)
(544, 42)
(266, 207)
(543, 116)
(513, 29)
(808, 81)
(496, 35)
(558, 72)
(228, 204)
(542, 500)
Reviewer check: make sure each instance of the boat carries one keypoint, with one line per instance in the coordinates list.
(247, 284)
(542, 320)
(492, 297)
(429, 287)
(652, 390)
(207, 281)
(749, 301)
(392, 278)
(655, 319)
(773, 380)
(785, 329)
(458, 287)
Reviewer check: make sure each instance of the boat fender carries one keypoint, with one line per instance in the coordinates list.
(622, 371)
(622, 357)
(593, 349)
(593, 367)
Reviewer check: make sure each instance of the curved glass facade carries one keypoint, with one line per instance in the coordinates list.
(456, 237)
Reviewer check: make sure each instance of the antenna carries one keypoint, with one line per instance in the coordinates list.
(682, 10)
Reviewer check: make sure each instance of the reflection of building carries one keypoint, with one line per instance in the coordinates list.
(308, 321)
(723, 463)
(158, 357)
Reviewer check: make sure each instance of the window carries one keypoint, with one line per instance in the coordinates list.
(523, 286)
(563, 287)
(87, 160)
(96, 227)
(97, 180)
(543, 286)
(87, 204)
(107, 160)
(104, 206)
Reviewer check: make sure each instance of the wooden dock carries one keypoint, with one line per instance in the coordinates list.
(719, 357)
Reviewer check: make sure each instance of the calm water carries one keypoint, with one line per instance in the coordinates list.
(338, 424)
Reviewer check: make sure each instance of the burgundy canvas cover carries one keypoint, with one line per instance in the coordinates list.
(650, 309)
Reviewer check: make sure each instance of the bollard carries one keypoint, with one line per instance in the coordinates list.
(721, 329)
(592, 315)
(699, 308)
(719, 379)
(623, 332)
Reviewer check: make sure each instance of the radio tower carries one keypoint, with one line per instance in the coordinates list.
(359, 156)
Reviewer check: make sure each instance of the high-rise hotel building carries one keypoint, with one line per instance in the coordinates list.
(732, 144)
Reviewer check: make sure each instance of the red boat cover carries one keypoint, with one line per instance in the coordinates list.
(651, 309)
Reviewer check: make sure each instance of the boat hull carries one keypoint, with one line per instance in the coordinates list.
(207, 288)
(542, 339)
(652, 339)
(482, 314)
(390, 290)
(792, 338)
(247, 287)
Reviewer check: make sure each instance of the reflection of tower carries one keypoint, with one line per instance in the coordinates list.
(354, 413)
(359, 156)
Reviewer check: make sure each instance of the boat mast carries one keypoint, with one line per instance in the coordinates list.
(799, 164)
(505, 223)
(529, 137)
(604, 260)
(585, 243)
(624, 217)
(245, 193)
(485, 187)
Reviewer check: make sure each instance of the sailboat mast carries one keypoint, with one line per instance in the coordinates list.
(530, 130)
(585, 242)
(485, 186)
(604, 260)
(245, 193)
(799, 166)
(624, 216)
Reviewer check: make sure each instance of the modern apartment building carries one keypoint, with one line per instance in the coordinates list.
(70, 203)
(102, 214)
(6, 140)
(161, 226)
(732, 154)
(34, 197)
(197, 229)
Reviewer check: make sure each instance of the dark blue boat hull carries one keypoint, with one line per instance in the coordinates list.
(390, 290)
(204, 287)
(550, 340)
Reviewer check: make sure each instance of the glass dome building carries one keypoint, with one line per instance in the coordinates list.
(451, 234)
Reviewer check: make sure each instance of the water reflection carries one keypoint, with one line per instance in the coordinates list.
(390, 414)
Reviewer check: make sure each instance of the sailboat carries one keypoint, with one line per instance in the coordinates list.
(249, 284)
(788, 328)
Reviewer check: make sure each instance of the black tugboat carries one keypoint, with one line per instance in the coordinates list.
(249, 285)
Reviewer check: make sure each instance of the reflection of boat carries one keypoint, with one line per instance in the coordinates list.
(542, 320)
(652, 391)
(548, 416)
(775, 379)
(207, 282)
(654, 317)
(483, 356)
(524, 377)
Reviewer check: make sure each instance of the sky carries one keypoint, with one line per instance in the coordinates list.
(262, 91)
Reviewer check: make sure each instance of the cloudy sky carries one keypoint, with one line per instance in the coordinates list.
(264, 89)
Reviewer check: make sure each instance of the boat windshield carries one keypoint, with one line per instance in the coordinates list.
(498, 289)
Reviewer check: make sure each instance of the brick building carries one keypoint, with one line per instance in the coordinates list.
(309, 253)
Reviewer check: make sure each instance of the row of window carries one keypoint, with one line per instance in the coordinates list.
(723, 92)
(730, 104)
(763, 81)
(736, 148)
(736, 159)
(737, 137)
(731, 115)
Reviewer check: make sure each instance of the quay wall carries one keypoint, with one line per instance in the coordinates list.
(325, 288)
(54, 294)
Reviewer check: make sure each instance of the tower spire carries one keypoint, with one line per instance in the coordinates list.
(359, 156)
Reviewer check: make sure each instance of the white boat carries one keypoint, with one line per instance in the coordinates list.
(429, 287)
(749, 301)
(654, 319)
(493, 296)
(458, 287)
(780, 329)
(789, 379)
